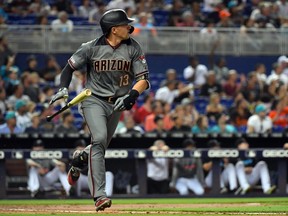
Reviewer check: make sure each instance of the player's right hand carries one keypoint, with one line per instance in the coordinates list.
(62, 93)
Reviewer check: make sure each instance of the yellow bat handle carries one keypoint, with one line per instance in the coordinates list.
(80, 97)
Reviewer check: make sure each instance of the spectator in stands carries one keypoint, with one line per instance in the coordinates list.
(279, 113)
(96, 14)
(23, 117)
(34, 128)
(179, 126)
(143, 27)
(32, 64)
(225, 20)
(231, 86)
(195, 73)
(214, 107)
(187, 174)
(130, 126)
(121, 4)
(283, 61)
(171, 74)
(260, 70)
(169, 92)
(3, 105)
(66, 125)
(250, 89)
(159, 125)
(240, 114)
(5, 50)
(144, 110)
(157, 109)
(221, 70)
(175, 13)
(249, 171)
(260, 122)
(282, 10)
(187, 20)
(51, 69)
(190, 112)
(202, 125)
(82, 183)
(211, 85)
(17, 94)
(46, 94)
(10, 127)
(277, 74)
(158, 170)
(31, 90)
(65, 5)
(62, 24)
(85, 8)
(77, 81)
(209, 35)
(9, 67)
(222, 125)
(44, 173)
(47, 127)
(228, 174)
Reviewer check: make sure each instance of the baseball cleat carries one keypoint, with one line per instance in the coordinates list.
(103, 203)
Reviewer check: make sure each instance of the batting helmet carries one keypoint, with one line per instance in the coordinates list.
(115, 17)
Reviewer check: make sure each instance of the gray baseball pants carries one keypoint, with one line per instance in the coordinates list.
(102, 122)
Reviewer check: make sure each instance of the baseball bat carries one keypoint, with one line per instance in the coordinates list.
(80, 97)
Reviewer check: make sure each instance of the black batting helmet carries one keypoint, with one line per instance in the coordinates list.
(114, 17)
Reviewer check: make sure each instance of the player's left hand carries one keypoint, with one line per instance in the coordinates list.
(62, 93)
(126, 102)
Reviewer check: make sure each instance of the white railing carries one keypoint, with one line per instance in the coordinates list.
(169, 40)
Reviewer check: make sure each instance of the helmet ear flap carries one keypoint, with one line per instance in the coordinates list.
(131, 29)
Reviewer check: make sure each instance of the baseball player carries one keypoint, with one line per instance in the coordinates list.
(228, 174)
(187, 173)
(249, 172)
(113, 61)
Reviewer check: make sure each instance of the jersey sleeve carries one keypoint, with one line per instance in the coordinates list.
(139, 64)
(79, 58)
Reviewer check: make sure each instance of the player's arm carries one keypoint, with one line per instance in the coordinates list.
(65, 79)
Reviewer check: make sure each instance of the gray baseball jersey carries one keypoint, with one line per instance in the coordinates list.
(110, 70)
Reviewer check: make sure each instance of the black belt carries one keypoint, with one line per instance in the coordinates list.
(111, 99)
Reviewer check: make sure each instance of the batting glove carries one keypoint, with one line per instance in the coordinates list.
(126, 102)
(62, 93)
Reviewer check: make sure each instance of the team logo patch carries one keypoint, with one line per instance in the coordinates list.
(142, 59)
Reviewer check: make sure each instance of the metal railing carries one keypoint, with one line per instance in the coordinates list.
(169, 40)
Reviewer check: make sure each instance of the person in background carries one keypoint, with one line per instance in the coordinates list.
(34, 128)
(66, 125)
(10, 127)
(23, 116)
(129, 126)
(187, 174)
(202, 125)
(171, 74)
(228, 174)
(159, 125)
(260, 122)
(144, 110)
(44, 173)
(230, 86)
(158, 170)
(279, 112)
(211, 85)
(240, 114)
(249, 172)
(179, 126)
(51, 69)
(62, 24)
(222, 125)
(157, 109)
(214, 108)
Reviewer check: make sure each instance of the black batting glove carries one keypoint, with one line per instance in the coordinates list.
(126, 102)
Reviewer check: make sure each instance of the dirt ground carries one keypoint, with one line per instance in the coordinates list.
(122, 209)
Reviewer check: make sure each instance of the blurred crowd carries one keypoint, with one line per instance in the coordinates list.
(199, 99)
(247, 15)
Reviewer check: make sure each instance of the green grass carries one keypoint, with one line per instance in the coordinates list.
(241, 206)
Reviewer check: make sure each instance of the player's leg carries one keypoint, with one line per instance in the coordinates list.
(56, 174)
(260, 171)
(242, 178)
(181, 186)
(109, 183)
(228, 176)
(195, 186)
(102, 123)
(33, 181)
